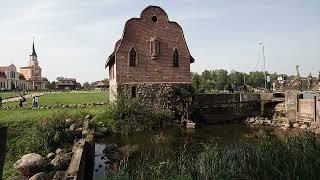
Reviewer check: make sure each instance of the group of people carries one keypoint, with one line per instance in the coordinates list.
(23, 102)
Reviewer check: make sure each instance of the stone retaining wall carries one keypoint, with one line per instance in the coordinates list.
(306, 111)
(156, 95)
(82, 162)
(301, 110)
(214, 108)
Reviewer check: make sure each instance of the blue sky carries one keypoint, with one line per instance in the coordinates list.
(74, 37)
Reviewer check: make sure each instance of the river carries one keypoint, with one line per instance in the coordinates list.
(176, 139)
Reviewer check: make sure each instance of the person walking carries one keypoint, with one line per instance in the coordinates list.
(20, 101)
(268, 82)
(23, 102)
(35, 102)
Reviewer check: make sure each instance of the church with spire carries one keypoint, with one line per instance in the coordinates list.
(33, 72)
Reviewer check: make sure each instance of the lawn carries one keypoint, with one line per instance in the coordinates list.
(5, 95)
(20, 122)
(77, 97)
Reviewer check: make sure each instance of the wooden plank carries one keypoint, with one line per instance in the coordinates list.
(315, 108)
(3, 148)
(74, 169)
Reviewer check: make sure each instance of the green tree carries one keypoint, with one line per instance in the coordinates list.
(51, 85)
(221, 78)
(196, 81)
(274, 76)
(236, 77)
(256, 79)
(206, 75)
(86, 85)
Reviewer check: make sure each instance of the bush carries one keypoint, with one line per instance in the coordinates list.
(127, 116)
(46, 135)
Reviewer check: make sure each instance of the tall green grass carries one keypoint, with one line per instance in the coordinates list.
(126, 116)
(296, 157)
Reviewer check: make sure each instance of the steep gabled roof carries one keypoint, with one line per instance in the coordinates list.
(33, 50)
(111, 57)
(7, 68)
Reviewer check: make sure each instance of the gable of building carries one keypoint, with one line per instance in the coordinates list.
(152, 39)
(152, 18)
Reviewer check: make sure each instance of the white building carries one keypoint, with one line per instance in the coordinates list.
(11, 79)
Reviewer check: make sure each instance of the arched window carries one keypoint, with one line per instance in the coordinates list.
(132, 57)
(175, 58)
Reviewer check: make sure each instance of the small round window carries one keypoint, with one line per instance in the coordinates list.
(154, 18)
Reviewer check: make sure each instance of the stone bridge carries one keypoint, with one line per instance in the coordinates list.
(217, 108)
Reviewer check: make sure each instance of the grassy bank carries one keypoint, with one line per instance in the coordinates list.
(296, 157)
(35, 131)
(41, 130)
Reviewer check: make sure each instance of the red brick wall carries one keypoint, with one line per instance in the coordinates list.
(137, 33)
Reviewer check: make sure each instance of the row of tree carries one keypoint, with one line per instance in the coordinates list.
(85, 86)
(220, 79)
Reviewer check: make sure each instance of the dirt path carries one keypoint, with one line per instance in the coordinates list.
(26, 96)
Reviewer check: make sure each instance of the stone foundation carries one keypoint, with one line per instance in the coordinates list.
(157, 95)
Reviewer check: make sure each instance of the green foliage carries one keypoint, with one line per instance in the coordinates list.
(295, 158)
(46, 135)
(219, 80)
(127, 116)
(86, 85)
(274, 76)
(256, 79)
(236, 77)
(196, 80)
(77, 97)
(31, 131)
(51, 85)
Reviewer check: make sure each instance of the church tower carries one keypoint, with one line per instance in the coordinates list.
(33, 57)
(33, 72)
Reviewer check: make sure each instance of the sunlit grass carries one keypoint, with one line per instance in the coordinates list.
(67, 98)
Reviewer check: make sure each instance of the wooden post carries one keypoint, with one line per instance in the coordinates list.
(298, 107)
(3, 148)
(315, 108)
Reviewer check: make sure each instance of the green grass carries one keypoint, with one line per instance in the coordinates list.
(295, 157)
(22, 122)
(78, 97)
(5, 95)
